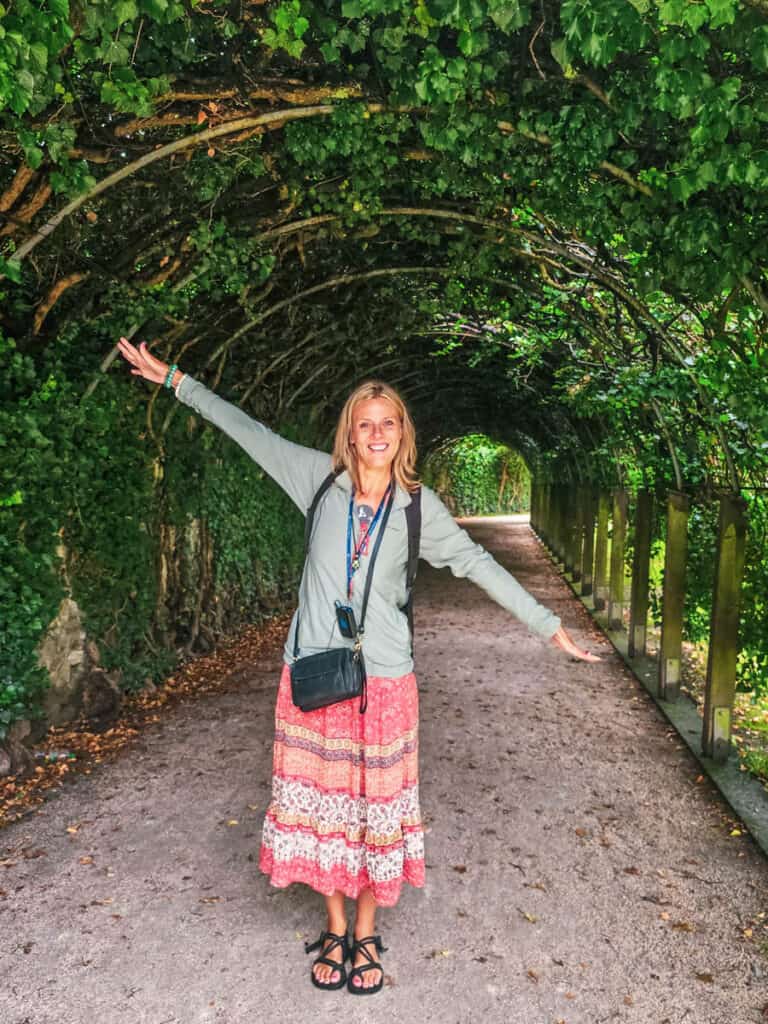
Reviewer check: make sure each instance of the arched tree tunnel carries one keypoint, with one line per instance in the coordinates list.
(547, 223)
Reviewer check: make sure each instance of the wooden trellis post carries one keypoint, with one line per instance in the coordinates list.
(545, 531)
(638, 615)
(572, 533)
(618, 544)
(588, 547)
(724, 627)
(577, 531)
(558, 532)
(601, 552)
(678, 507)
(533, 506)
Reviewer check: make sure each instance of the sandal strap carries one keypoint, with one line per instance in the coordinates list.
(372, 966)
(338, 940)
(359, 945)
(331, 963)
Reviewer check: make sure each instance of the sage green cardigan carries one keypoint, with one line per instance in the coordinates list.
(300, 471)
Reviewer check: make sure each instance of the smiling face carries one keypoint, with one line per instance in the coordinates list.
(376, 432)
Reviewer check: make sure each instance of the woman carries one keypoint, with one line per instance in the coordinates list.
(344, 816)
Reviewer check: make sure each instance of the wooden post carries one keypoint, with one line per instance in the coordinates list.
(577, 531)
(724, 628)
(601, 552)
(638, 614)
(557, 520)
(569, 531)
(533, 506)
(588, 547)
(546, 515)
(676, 550)
(618, 545)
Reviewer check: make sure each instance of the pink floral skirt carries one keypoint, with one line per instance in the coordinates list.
(344, 813)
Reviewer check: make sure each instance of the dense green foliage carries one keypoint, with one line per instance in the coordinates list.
(547, 223)
(89, 511)
(477, 476)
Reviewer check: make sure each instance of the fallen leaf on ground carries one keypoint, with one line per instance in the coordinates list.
(86, 860)
(629, 1001)
(704, 976)
(532, 974)
(530, 918)
(461, 868)
(683, 926)
(233, 821)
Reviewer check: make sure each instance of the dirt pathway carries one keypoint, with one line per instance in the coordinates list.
(578, 871)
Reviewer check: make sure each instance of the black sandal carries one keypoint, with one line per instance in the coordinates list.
(359, 945)
(338, 940)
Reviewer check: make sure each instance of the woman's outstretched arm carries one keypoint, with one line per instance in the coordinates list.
(445, 543)
(295, 468)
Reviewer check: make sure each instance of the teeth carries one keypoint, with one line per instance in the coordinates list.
(378, 447)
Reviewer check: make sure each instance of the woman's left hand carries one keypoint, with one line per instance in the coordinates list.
(562, 639)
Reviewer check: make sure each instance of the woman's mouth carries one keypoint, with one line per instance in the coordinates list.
(379, 447)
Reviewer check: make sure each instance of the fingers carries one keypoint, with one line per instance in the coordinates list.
(563, 640)
(128, 351)
(147, 366)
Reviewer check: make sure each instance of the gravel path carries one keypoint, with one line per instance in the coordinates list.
(579, 870)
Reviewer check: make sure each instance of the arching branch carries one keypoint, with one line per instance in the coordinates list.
(53, 297)
(21, 179)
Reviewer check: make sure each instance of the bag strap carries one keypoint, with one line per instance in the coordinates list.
(372, 562)
(369, 578)
(413, 522)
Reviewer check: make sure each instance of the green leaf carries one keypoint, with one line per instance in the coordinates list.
(39, 54)
(126, 10)
(507, 16)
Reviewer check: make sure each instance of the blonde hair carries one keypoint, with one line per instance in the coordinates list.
(404, 464)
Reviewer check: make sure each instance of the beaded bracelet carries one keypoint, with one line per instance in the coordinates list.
(169, 376)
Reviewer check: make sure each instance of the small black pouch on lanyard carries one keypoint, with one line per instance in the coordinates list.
(328, 677)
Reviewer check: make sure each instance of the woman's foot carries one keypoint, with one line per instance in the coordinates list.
(328, 970)
(366, 975)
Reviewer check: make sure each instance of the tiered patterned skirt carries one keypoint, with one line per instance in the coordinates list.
(344, 813)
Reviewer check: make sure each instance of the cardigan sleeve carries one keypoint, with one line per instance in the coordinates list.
(295, 468)
(445, 543)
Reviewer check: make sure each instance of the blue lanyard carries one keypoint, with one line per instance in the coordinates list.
(353, 550)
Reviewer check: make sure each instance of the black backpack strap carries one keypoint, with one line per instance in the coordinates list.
(322, 489)
(313, 507)
(413, 522)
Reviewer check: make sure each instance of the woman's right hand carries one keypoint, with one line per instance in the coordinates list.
(144, 363)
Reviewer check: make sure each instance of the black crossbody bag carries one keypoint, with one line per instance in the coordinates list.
(328, 677)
